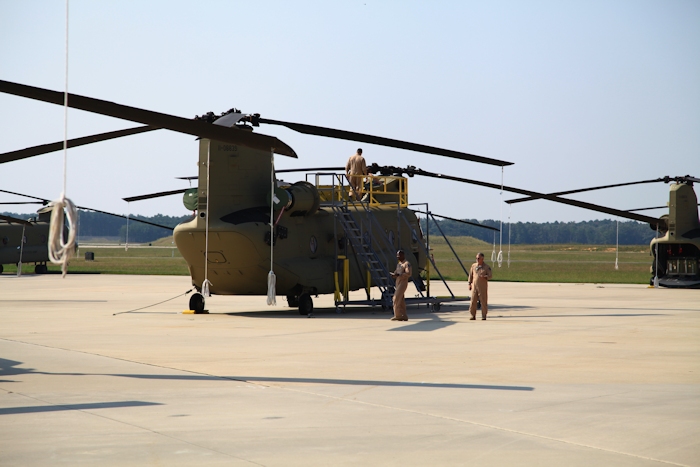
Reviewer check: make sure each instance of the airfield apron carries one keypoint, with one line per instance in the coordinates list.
(404, 272)
(356, 169)
(478, 278)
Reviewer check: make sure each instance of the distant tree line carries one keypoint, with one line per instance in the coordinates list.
(601, 232)
(95, 224)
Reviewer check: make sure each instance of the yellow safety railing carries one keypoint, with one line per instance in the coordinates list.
(339, 293)
(384, 189)
(380, 189)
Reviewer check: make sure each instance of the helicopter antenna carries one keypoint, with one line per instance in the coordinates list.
(60, 252)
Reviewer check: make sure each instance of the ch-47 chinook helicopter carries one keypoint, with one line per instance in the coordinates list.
(26, 241)
(322, 241)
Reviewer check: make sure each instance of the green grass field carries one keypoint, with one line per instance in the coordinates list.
(547, 263)
(528, 263)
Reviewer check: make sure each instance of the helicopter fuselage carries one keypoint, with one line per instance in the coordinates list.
(307, 239)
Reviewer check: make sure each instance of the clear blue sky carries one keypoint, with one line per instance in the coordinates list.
(574, 93)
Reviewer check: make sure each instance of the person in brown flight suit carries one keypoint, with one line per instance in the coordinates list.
(479, 276)
(356, 170)
(401, 274)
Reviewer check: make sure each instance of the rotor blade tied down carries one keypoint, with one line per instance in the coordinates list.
(271, 279)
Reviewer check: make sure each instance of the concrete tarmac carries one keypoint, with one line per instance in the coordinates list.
(559, 374)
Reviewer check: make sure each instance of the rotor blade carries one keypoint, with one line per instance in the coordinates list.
(394, 143)
(15, 220)
(581, 190)
(154, 195)
(649, 209)
(195, 177)
(46, 201)
(462, 221)
(312, 169)
(46, 148)
(593, 207)
(133, 219)
(156, 119)
(26, 196)
(23, 202)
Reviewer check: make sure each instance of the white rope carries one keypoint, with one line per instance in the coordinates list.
(500, 241)
(617, 244)
(271, 279)
(493, 252)
(509, 229)
(656, 259)
(60, 252)
(126, 244)
(21, 250)
(205, 288)
(206, 283)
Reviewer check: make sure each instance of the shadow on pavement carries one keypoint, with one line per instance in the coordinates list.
(10, 367)
(56, 408)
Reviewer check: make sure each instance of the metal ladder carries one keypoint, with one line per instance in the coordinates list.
(381, 276)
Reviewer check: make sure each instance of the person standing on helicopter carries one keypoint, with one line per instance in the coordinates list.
(356, 170)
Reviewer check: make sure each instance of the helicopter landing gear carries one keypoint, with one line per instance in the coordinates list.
(197, 303)
(435, 307)
(387, 301)
(292, 301)
(306, 304)
(0, 268)
(41, 269)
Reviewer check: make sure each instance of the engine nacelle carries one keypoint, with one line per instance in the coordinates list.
(300, 199)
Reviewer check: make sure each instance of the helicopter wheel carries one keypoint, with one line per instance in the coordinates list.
(41, 269)
(197, 303)
(387, 301)
(306, 304)
(435, 307)
(0, 268)
(292, 301)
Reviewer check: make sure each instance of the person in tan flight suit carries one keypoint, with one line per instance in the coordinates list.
(479, 276)
(356, 170)
(401, 274)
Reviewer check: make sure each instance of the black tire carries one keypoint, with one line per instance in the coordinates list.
(41, 269)
(197, 303)
(0, 268)
(292, 301)
(306, 304)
